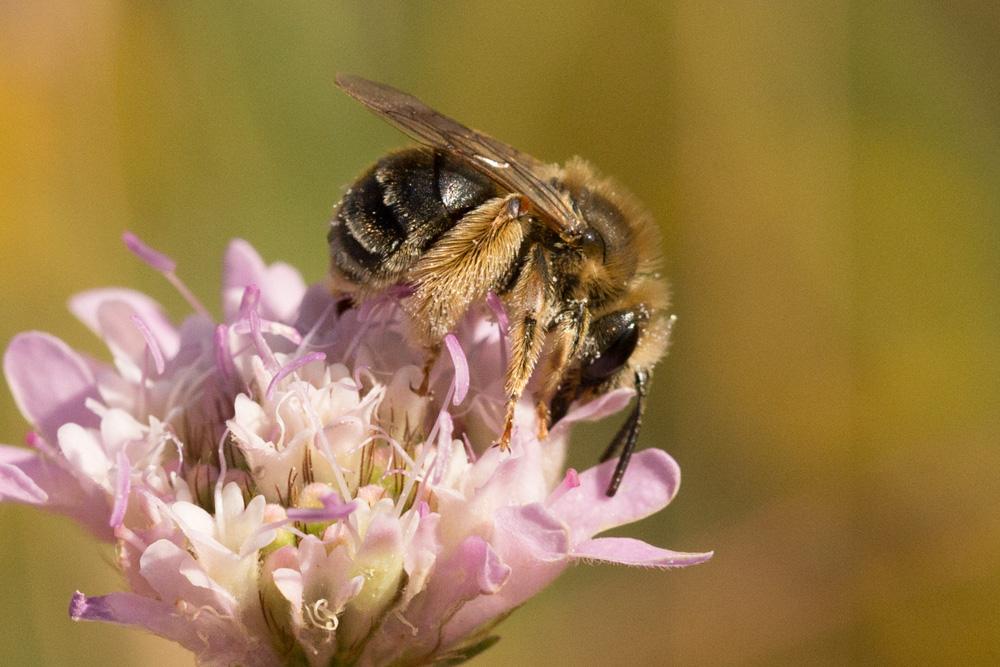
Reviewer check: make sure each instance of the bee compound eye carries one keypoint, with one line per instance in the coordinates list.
(592, 243)
(617, 340)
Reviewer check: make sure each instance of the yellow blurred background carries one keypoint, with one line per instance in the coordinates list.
(827, 178)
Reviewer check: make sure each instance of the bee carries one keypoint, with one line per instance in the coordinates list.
(572, 256)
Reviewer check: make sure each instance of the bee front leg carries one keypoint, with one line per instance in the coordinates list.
(531, 300)
(433, 352)
(570, 330)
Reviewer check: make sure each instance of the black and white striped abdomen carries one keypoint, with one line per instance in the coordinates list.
(396, 210)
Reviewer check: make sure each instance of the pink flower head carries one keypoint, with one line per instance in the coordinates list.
(282, 492)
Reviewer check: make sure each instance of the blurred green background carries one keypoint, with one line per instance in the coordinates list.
(827, 178)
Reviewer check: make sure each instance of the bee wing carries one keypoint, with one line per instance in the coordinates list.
(512, 169)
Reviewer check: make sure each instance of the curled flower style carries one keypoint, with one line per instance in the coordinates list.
(286, 487)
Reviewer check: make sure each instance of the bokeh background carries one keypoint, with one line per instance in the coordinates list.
(827, 179)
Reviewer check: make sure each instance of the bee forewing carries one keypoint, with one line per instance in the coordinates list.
(516, 171)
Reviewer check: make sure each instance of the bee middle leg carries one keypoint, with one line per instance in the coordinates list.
(531, 298)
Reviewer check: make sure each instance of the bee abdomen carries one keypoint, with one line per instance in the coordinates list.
(397, 209)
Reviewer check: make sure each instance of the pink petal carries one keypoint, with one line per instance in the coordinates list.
(282, 287)
(290, 368)
(86, 306)
(531, 531)
(534, 545)
(598, 408)
(384, 539)
(289, 583)
(223, 359)
(421, 553)
(83, 501)
(120, 333)
(151, 344)
(215, 639)
(570, 481)
(484, 572)
(123, 484)
(49, 381)
(332, 510)
(84, 453)
(473, 571)
(134, 610)
(461, 368)
(652, 481)
(629, 551)
(17, 486)
(242, 267)
(155, 259)
(499, 312)
(283, 291)
(494, 573)
(175, 575)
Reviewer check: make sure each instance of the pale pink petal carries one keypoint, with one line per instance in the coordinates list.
(461, 368)
(50, 382)
(118, 428)
(83, 451)
(242, 267)
(629, 551)
(286, 331)
(86, 306)
(194, 518)
(384, 539)
(652, 481)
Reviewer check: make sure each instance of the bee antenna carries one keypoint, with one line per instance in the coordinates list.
(628, 434)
